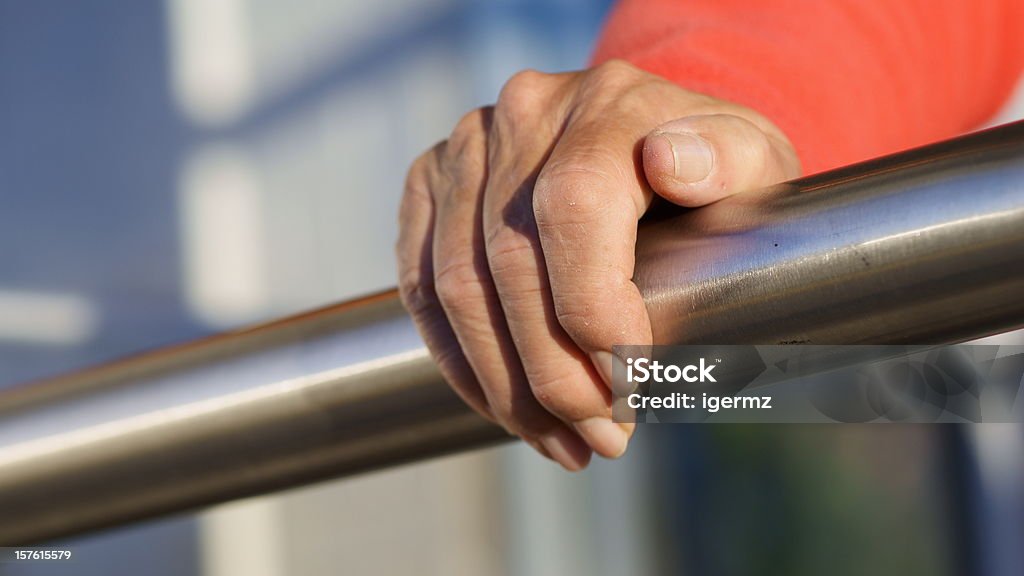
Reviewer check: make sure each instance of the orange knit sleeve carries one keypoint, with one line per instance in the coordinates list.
(845, 79)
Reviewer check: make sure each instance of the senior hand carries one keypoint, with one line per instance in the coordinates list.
(517, 238)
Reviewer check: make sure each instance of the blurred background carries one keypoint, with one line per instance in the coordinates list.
(172, 169)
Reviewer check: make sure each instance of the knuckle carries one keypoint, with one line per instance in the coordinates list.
(594, 315)
(588, 161)
(570, 192)
(751, 139)
(756, 151)
(472, 122)
(415, 178)
(617, 67)
(416, 190)
(507, 251)
(417, 296)
(457, 284)
(469, 133)
(451, 362)
(524, 80)
(416, 200)
(557, 394)
(634, 98)
(414, 287)
(520, 95)
(465, 168)
(764, 148)
(755, 137)
(747, 153)
(612, 74)
(580, 322)
(598, 312)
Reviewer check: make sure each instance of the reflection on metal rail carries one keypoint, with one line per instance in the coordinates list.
(923, 246)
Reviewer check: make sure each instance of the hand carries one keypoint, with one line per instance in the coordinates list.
(518, 233)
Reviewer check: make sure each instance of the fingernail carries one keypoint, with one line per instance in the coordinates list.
(603, 362)
(623, 414)
(606, 437)
(539, 448)
(628, 428)
(692, 156)
(566, 449)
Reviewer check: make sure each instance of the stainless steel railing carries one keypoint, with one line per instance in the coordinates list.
(923, 246)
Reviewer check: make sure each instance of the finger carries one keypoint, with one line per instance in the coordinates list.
(518, 142)
(467, 294)
(587, 202)
(700, 159)
(561, 376)
(416, 279)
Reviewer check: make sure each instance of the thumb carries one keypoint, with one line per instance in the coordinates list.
(697, 160)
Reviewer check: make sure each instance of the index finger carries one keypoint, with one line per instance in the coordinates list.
(587, 202)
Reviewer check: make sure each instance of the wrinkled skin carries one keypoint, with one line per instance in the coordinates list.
(517, 240)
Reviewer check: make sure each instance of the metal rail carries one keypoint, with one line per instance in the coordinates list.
(924, 246)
